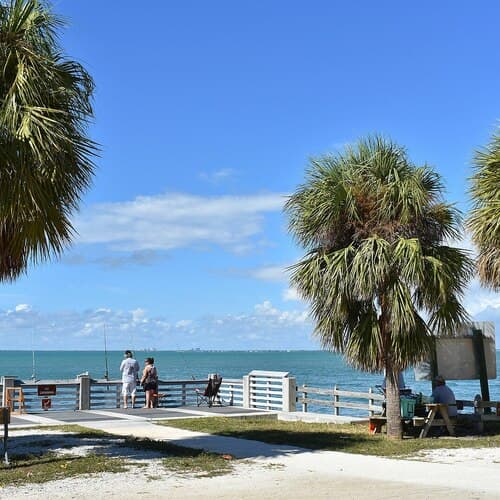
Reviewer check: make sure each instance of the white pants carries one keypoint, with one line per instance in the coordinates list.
(129, 388)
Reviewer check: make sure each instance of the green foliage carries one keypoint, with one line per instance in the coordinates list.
(349, 438)
(484, 221)
(378, 273)
(374, 226)
(45, 154)
(49, 466)
(201, 464)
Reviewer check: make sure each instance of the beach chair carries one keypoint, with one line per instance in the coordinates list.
(211, 393)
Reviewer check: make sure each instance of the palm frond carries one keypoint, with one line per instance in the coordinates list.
(46, 156)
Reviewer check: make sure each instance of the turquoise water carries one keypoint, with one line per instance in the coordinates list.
(314, 368)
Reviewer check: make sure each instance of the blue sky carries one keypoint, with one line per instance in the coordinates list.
(207, 114)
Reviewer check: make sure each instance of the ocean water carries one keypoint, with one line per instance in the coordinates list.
(314, 368)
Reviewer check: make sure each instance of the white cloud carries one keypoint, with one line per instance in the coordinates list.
(270, 273)
(22, 308)
(265, 327)
(218, 175)
(176, 220)
(291, 294)
(273, 274)
(477, 299)
(265, 309)
(138, 315)
(183, 323)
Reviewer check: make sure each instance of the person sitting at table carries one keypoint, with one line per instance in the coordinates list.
(444, 395)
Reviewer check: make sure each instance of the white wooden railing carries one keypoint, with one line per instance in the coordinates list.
(268, 390)
(335, 399)
(84, 393)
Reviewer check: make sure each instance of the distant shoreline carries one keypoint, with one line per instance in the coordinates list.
(166, 350)
(174, 350)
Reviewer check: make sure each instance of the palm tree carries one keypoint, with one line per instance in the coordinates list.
(484, 221)
(373, 225)
(45, 154)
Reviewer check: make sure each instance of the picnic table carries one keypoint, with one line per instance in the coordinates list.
(430, 419)
(426, 416)
(426, 422)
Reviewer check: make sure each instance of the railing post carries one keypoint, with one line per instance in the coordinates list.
(230, 389)
(84, 399)
(304, 400)
(371, 402)
(336, 400)
(289, 394)
(183, 395)
(246, 391)
(7, 381)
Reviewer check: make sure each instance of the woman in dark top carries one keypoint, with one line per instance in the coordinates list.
(149, 381)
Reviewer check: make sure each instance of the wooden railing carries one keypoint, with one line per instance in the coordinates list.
(231, 391)
(336, 399)
(85, 393)
(267, 390)
(66, 398)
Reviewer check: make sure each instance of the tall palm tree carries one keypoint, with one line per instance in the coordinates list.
(45, 154)
(374, 225)
(484, 221)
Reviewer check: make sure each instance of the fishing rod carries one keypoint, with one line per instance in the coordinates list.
(106, 372)
(33, 367)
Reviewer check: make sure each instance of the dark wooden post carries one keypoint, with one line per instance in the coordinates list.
(477, 340)
(5, 420)
(434, 364)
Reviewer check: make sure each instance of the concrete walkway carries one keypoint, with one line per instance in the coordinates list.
(432, 480)
(293, 472)
(462, 480)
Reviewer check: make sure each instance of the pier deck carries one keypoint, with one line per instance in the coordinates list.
(136, 414)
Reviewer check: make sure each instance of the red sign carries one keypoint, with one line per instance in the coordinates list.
(47, 390)
(46, 403)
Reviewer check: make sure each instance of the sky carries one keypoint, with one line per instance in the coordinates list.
(207, 114)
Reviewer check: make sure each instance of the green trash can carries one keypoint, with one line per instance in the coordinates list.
(408, 407)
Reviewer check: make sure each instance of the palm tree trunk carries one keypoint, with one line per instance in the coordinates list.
(393, 411)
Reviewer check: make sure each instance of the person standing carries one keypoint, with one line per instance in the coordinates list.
(149, 381)
(130, 371)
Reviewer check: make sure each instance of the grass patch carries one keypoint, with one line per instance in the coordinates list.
(202, 464)
(350, 438)
(48, 467)
(185, 461)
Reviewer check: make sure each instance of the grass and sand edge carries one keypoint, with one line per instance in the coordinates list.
(48, 464)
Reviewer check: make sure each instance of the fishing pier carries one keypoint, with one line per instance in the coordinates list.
(258, 393)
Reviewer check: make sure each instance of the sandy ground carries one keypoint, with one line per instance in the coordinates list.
(466, 473)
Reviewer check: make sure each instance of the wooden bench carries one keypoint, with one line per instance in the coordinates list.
(494, 410)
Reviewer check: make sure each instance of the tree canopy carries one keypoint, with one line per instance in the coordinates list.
(484, 220)
(46, 156)
(377, 273)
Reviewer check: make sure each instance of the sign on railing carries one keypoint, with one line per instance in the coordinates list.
(47, 390)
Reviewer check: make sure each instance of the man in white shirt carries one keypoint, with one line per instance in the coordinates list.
(130, 369)
(443, 394)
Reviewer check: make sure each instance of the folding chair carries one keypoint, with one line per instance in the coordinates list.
(211, 393)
